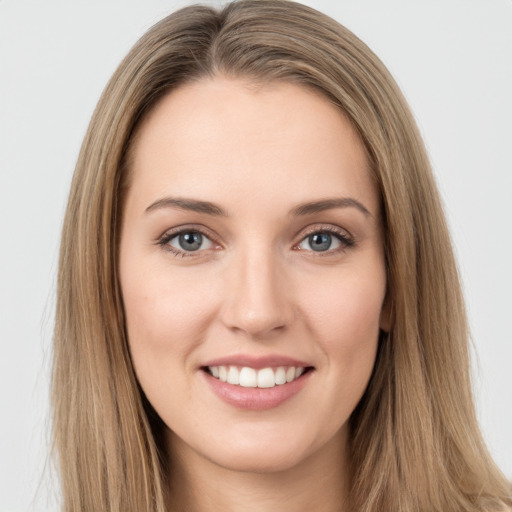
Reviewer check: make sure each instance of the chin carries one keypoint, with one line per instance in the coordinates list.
(259, 460)
(275, 450)
(249, 450)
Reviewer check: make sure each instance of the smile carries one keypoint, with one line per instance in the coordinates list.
(248, 377)
(256, 382)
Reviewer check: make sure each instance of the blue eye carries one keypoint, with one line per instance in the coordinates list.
(320, 242)
(189, 241)
(324, 241)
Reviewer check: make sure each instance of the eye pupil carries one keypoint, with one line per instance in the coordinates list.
(190, 241)
(320, 241)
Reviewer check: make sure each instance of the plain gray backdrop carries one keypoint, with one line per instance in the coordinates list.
(453, 60)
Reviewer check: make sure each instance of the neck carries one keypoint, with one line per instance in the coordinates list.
(320, 482)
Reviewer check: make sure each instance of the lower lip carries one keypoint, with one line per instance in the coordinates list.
(256, 399)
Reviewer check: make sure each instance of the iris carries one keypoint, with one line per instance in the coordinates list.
(190, 241)
(320, 242)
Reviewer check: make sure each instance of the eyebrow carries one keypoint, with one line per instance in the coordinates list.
(209, 208)
(193, 205)
(329, 204)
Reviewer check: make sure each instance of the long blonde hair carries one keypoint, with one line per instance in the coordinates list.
(415, 444)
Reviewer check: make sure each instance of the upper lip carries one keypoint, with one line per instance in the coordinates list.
(256, 362)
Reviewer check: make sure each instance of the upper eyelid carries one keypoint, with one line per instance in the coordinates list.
(320, 227)
(187, 228)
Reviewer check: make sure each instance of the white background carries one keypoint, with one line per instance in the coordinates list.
(453, 59)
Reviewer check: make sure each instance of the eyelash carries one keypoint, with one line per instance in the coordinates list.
(164, 240)
(346, 241)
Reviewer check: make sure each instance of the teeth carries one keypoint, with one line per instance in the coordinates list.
(266, 378)
(248, 378)
(233, 375)
(251, 378)
(280, 376)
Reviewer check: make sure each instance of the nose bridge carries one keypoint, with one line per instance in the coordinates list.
(256, 301)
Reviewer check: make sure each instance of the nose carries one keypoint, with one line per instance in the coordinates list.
(257, 300)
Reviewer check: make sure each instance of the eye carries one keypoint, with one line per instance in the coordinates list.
(320, 242)
(186, 242)
(325, 240)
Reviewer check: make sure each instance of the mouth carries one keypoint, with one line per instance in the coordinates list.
(263, 378)
(256, 383)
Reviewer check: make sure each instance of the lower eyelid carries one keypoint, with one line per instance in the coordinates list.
(341, 244)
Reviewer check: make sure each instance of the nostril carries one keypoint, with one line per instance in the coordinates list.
(257, 326)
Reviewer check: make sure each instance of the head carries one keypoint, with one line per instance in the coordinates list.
(412, 407)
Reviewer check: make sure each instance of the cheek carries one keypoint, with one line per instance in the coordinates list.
(344, 319)
(154, 295)
(166, 312)
(348, 307)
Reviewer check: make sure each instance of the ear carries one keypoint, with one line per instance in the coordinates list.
(386, 313)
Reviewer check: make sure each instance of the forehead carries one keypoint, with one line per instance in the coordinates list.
(228, 138)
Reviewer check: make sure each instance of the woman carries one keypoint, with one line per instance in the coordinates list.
(258, 303)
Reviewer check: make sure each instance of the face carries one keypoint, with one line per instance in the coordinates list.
(252, 272)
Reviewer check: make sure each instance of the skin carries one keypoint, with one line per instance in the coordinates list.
(256, 287)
